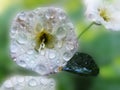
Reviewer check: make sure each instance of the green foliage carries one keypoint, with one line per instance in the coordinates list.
(102, 45)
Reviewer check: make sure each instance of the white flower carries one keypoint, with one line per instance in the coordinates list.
(103, 12)
(28, 83)
(42, 40)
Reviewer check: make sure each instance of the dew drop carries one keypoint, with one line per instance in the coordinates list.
(61, 33)
(41, 69)
(42, 52)
(52, 83)
(70, 46)
(22, 63)
(22, 16)
(32, 82)
(13, 31)
(67, 56)
(19, 86)
(20, 79)
(52, 55)
(62, 16)
(59, 44)
(36, 11)
(44, 81)
(58, 62)
(31, 15)
(13, 48)
(30, 52)
(50, 14)
(56, 70)
(8, 85)
(22, 38)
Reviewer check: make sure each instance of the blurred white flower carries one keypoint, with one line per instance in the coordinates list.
(42, 40)
(29, 83)
(104, 12)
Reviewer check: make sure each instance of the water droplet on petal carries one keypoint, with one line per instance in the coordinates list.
(62, 16)
(32, 83)
(31, 15)
(22, 63)
(8, 85)
(59, 44)
(67, 56)
(30, 52)
(13, 47)
(52, 55)
(52, 83)
(58, 62)
(44, 81)
(20, 79)
(70, 46)
(22, 39)
(42, 52)
(50, 13)
(22, 16)
(61, 33)
(41, 69)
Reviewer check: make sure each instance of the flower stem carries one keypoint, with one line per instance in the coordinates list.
(87, 28)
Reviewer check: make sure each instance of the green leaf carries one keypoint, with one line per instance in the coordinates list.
(82, 64)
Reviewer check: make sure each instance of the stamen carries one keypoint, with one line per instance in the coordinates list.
(44, 39)
(104, 14)
(42, 45)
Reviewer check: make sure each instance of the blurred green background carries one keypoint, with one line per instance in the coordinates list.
(103, 45)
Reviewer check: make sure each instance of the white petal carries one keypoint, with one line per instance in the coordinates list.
(28, 83)
(54, 21)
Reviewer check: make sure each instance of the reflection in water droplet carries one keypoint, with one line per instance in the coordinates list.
(31, 15)
(22, 63)
(13, 47)
(67, 56)
(50, 13)
(32, 82)
(8, 85)
(52, 83)
(30, 52)
(42, 52)
(70, 46)
(59, 44)
(41, 69)
(22, 16)
(22, 38)
(62, 16)
(20, 79)
(44, 81)
(52, 55)
(61, 33)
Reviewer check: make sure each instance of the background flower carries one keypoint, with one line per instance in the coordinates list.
(103, 12)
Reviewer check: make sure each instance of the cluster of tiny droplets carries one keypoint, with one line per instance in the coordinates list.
(22, 36)
(28, 83)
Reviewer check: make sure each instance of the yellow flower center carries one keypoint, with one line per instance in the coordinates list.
(44, 39)
(104, 14)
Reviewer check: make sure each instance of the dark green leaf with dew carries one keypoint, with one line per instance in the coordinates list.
(82, 64)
